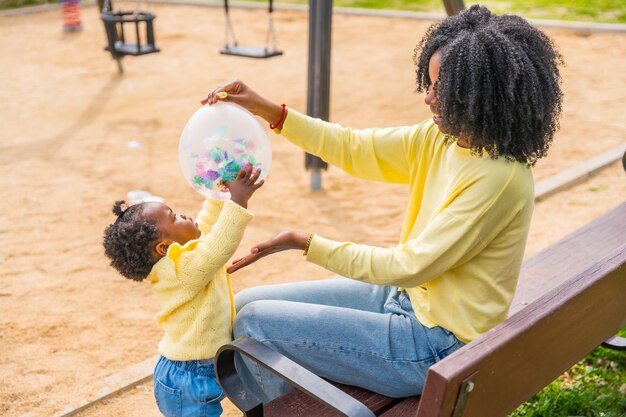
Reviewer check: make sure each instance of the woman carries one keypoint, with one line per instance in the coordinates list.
(493, 86)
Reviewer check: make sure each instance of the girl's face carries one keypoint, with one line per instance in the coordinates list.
(431, 99)
(174, 227)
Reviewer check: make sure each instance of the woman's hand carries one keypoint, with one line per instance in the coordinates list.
(239, 93)
(281, 242)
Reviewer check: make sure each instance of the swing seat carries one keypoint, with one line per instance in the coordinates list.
(121, 48)
(114, 23)
(232, 47)
(249, 51)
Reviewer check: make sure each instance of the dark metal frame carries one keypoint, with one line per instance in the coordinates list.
(318, 83)
(615, 343)
(286, 369)
(117, 45)
(453, 7)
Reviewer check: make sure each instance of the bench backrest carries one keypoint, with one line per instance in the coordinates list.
(583, 282)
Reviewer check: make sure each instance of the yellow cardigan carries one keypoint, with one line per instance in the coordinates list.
(193, 288)
(465, 228)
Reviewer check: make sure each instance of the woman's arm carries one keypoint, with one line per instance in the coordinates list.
(454, 236)
(239, 93)
(281, 242)
(438, 248)
(375, 154)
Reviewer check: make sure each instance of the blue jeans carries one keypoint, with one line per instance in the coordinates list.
(187, 388)
(343, 330)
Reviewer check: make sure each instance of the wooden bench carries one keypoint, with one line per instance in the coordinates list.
(570, 298)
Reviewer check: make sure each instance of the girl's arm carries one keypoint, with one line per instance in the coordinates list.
(208, 215)
(199, 261)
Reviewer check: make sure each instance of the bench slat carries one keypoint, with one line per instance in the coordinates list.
(298, 404)
(568, 256)
(406, 408)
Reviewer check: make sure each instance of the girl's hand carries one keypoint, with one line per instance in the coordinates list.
(242, 188)
(281, 242)
(239, 93)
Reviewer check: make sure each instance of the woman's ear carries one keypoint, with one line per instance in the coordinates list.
(161, 248)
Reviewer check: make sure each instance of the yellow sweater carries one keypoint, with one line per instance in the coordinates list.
(465, 228)
(193, 288)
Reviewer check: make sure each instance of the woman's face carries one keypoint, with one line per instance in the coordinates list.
(431, 100)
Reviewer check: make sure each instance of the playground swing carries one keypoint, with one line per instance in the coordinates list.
(114, 22)
(232, 47)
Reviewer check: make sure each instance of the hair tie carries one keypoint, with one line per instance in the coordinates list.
(124, 206)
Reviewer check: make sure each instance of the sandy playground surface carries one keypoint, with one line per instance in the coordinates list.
(67, 319)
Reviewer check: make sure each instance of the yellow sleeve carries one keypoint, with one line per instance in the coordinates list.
(374, 154)
(199, 261)
(437, 249)
(208, 215)
(453, 237)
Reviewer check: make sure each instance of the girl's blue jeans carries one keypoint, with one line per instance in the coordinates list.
(187, 388)
(343, 330)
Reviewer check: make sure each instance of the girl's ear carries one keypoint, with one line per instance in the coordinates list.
(161, 248)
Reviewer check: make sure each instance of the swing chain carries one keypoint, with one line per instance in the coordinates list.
(230, 39)
(271, 35)
(229, 31)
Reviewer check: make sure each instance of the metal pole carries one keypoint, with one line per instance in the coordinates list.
(453, 7)
(318, 85)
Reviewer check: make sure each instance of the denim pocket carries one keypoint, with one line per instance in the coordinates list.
(443, 341)
(169, 400)
(213, 408)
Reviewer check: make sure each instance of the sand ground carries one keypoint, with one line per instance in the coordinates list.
(66, 120)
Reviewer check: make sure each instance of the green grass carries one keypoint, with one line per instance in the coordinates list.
(12, 4)
(594, 387)
(608, 11)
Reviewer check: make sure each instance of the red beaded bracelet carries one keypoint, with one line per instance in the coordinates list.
(282, 118)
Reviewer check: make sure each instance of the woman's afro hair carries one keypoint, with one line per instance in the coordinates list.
(128, 241)
(498, 85)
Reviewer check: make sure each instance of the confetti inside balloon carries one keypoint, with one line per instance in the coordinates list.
(217, 142)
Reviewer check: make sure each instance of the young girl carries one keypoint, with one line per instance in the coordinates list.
(493, 86)
(184, 261)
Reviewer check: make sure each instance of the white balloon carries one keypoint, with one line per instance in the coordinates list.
(216, 142)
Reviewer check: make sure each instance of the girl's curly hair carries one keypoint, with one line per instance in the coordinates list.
(128, 241)
(498, 84)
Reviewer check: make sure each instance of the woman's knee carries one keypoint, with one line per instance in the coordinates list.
(249, 319)
(247, 296)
